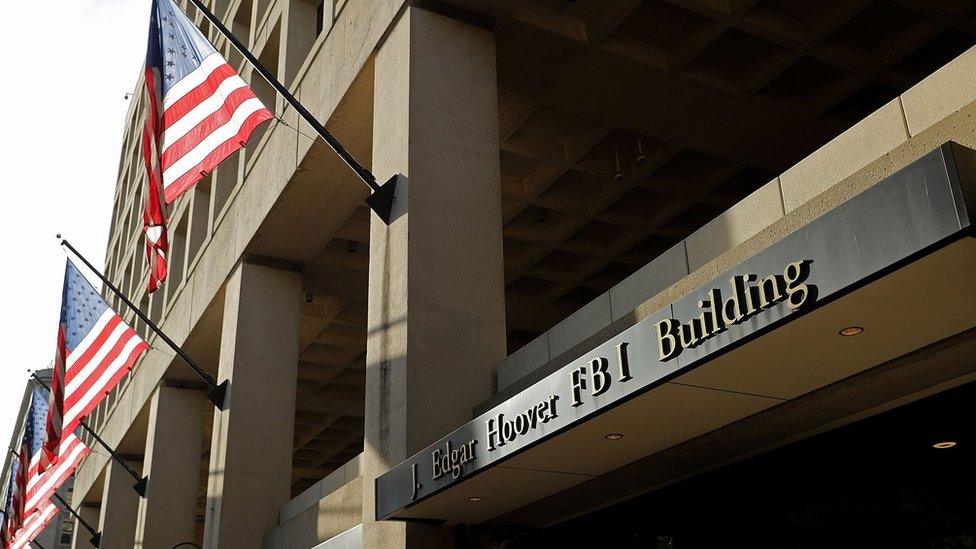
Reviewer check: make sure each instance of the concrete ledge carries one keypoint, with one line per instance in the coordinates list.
(328, 519)
(865, 142)
(591, 321)
(649, 280)
(335, 480)
(588, 320)
(520, 363)
(736, 225)
(942, 93)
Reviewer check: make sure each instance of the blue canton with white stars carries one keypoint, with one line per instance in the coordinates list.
(176, 45)
(81, 306)
(8, 504)
(36, 424)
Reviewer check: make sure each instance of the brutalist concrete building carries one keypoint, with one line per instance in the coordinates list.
(661, 273)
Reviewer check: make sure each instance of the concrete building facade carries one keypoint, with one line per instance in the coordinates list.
(528, 342)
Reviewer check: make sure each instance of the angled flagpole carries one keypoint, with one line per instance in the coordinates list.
(96, 538)
(381, 199)
(216, 393)
(141, 482)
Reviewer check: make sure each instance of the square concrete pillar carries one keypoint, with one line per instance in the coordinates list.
(436, 318)
(120, 507)
(81, 538)
(251, 448)
(174, 446)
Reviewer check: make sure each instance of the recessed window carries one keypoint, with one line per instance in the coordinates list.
(67, 529)
(320, 18)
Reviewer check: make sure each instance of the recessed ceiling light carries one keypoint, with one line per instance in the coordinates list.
(944, 445)
(613, 436)
(851, 331)
(475, 499)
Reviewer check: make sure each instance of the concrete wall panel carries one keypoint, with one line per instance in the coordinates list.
(875, 136)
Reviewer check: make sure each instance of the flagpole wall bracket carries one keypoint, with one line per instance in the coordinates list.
(96, 538)
(141, 486)
(218, 395)
(381, 201)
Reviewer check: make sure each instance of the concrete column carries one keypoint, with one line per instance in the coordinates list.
(251, 449)
(80, 539)
(436, 318)
(120, 507)
(174, 446)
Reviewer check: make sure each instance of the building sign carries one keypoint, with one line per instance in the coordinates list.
(746, 300)
(631, 362)
(863, 238)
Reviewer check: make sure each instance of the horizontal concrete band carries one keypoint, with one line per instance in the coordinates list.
(332, 482)
(919, 208)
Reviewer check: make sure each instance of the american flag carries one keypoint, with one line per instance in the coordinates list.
(42, 484)
(204, 110)
(33, 526)
(154, 219)
(97, 347)
(28, 504)
(30, 446)
(199, 113)
(55, 411)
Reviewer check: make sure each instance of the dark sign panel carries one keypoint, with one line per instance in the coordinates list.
(914, 210)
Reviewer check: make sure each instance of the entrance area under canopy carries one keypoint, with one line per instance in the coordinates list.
(893, 480)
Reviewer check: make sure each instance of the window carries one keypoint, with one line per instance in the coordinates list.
(67, 529)
(320, 18)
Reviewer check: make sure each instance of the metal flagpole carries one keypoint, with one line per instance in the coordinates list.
(96, 538)
(381, 199)
(216, 393)
(37, 544)
(141, 482)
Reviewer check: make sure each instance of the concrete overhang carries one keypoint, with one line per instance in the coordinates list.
(896, 261)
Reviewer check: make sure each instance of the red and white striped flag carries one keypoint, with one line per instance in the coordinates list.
(154, 212)
(55, 410)
(34, 501)
(97, 347)
(199, 112)
(33, 526)
(41, 485)
(26, 463)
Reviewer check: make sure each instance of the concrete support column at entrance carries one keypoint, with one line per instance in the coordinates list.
(174, 446)
(251, 448)
(81, 536)
(436, 317)
(120, 507)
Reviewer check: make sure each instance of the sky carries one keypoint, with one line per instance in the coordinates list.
(67, 66)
